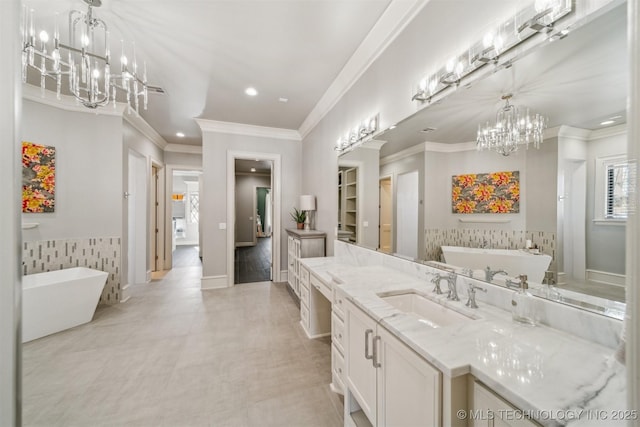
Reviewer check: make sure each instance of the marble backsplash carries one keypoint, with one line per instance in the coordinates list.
(495, 239)
(99, 253)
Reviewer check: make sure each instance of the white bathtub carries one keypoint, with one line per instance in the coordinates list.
(514, 262)
(59, 300)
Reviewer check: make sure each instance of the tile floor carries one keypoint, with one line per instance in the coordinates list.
(174, 355)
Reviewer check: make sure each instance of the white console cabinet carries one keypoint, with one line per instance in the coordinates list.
(302, 244)
(385, 379)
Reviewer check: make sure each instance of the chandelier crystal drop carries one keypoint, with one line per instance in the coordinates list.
(515, 126)
(84, 60)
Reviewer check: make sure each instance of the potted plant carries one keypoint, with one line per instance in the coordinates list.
(299, 217)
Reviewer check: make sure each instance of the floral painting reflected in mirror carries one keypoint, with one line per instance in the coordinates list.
(38, 178)
(496, 192)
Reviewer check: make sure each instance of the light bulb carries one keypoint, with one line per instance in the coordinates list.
(459, 68)
(84, 40)
(423, 84)
(44, 37)
(487, 40)
(432, 85)
(451, 65)
(498, 43)
(123, 60)
(95, 73)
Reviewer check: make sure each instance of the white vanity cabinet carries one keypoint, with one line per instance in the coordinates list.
(315, 308)
(338, 338)
(490, 410)
(302, 244)
(388, 381)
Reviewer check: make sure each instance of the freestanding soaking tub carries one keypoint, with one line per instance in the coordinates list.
(59, 300)
(513, 261)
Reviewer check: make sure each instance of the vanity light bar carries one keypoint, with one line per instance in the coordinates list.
(538, 17)
(358, 135)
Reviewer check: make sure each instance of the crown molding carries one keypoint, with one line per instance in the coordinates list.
(140, 124)
(394, 19)
(183, 148)
(69, 103)
(439, 147)
(608, 132)
(247, 130)
(407, 152)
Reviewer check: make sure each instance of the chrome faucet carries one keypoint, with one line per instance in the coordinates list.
(471, 302)
(451, 282)
(467, 272)
(436, 281)
(489, 273)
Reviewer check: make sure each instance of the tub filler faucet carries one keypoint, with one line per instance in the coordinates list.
(489, 273)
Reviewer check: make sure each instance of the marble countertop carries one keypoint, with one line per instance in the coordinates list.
(557, 378)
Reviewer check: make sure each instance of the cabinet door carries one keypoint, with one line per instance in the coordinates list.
(291, 262)
(361, 375)
(488, 409)
(409, 388)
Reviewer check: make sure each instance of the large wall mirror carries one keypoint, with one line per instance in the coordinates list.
(571, 190)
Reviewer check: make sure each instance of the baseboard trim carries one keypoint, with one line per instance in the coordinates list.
(284, 276)
(244, 244)
(148, 276)
(213, 282)
(312, 337)
(606, 278)
(124, 294)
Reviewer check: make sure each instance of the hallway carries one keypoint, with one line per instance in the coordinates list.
(175, 355)
(253, 263)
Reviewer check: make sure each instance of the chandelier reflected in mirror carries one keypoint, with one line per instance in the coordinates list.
(514, 127)
(84, 60)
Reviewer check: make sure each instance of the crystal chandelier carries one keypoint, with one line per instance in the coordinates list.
(85, 61)
(514, 126)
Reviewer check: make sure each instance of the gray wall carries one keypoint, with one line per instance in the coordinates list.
(245, 196)
(89, 172)
(183, 159)
(605, 243)
(415, 162)
(213, 206)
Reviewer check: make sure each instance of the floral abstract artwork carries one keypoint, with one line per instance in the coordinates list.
(38, 178)
(496, 192)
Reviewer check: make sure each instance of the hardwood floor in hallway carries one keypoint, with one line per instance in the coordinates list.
(253, 263)
(174, 355)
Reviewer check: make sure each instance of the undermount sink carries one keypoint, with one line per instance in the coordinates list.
(425, 310)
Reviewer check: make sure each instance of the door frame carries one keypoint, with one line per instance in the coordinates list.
(276, 187)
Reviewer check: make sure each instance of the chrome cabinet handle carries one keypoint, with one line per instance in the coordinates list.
(366, 344)
(376, 364)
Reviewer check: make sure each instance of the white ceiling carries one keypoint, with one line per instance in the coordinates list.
(204, 53)
(578, 81)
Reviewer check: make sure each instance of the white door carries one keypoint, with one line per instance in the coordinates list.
(407, 215)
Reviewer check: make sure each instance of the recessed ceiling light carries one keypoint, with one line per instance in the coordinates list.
(607, 122)
(180, 134)
(285, 100)
(251, 91)
(253, 169)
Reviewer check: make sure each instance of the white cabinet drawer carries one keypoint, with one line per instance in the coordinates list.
(338, 301)
(304, 316)
(320, 286)
(304, 275)
(337, 369)
(337, 332)
(304, 295)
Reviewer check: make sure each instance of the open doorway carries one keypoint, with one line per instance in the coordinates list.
(253, 221)
(185, 218)
(386, 215)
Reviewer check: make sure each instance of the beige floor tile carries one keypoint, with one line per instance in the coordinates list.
(175, 355)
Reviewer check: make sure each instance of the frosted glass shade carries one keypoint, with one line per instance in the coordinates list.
(307, 203)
